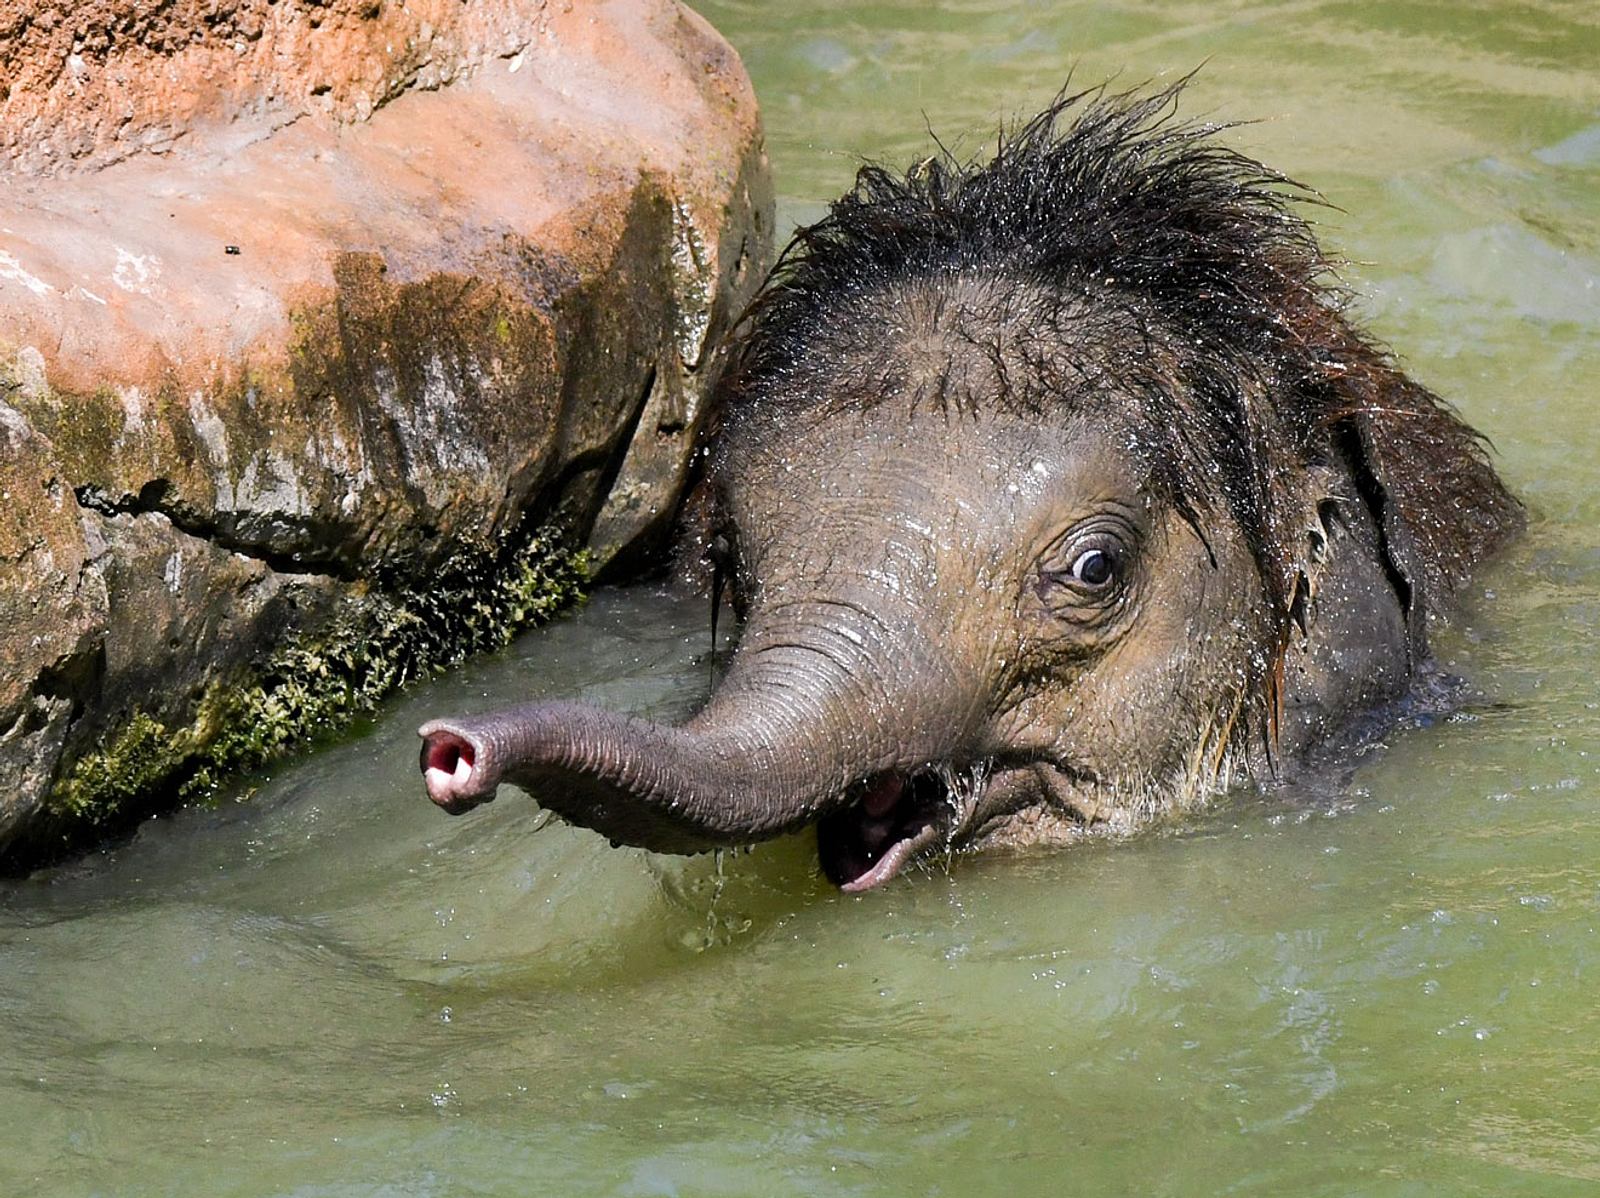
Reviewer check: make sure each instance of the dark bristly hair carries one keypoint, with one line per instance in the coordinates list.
(1254, 376)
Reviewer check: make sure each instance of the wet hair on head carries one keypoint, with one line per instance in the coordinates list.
(1246, 371)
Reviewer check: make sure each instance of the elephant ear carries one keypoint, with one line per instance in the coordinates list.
(1425, 478)
(1405, 564)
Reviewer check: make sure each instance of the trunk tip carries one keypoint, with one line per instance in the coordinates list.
(452, 768)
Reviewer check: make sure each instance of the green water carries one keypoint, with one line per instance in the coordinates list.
(335, 990)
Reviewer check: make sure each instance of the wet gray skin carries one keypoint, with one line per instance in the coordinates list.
(880, 670)
(1055, 491)
(963, 625)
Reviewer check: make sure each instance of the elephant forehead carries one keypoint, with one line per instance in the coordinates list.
(931, 482)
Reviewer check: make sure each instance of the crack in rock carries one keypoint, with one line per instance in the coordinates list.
(152, 498)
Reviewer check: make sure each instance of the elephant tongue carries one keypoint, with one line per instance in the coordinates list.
(892, 861)
(870, 842)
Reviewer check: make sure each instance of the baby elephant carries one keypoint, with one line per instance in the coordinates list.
(1055, 491)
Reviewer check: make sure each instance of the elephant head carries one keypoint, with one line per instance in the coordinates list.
(1054, 491)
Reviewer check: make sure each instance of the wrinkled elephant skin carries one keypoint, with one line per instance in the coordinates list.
(1055, 492)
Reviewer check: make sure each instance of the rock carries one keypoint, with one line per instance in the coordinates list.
(316, 321)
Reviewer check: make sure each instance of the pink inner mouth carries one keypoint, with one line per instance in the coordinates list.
(447, 770)
(881, 798)
(895, 818)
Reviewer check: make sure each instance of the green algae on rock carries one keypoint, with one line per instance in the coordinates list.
(296, 388)
(312, 687)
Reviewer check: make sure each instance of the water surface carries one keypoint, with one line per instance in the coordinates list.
(335, 990)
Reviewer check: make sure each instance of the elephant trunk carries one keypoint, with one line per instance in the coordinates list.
(805, 715)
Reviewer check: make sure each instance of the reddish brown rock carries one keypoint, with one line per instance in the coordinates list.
(299, 302)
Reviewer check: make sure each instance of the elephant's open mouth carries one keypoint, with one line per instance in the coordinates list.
(896, 817)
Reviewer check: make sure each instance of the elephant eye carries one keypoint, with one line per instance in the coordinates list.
(1086, 575)
(1094, 568)
(719, 553)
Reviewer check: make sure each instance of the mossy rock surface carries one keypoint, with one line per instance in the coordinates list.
(298, 385)
(311, 686)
